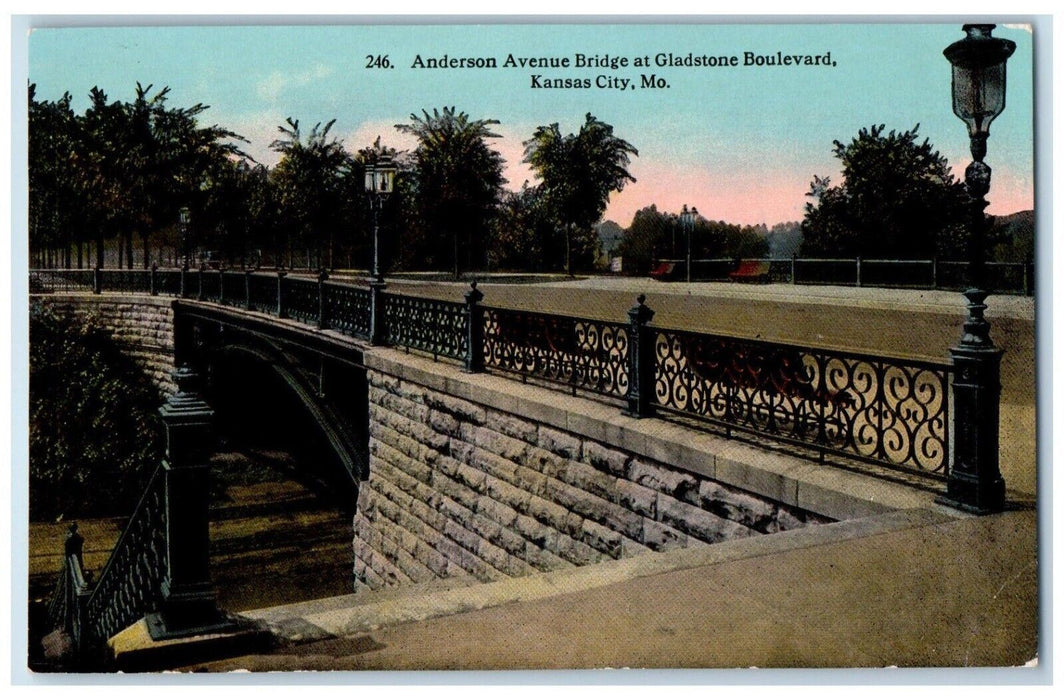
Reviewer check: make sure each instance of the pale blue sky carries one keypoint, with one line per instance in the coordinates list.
(740, 143)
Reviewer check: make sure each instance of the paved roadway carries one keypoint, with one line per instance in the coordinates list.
(920, 324)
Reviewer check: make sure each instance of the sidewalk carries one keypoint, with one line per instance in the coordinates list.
(915, 588)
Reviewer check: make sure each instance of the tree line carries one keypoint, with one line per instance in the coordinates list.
(123, 170)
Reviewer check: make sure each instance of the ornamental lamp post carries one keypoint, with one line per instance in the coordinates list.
(182, 228)
(688, 218)
(379, 183)
(974, 481)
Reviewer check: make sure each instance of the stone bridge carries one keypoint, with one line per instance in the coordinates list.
(451, 473)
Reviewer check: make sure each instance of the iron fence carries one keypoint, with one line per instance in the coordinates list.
(129, 584)
(45, 281)
(346, 309)
(877, 409)
(580, 353)
(1000, 277)
(440, 328)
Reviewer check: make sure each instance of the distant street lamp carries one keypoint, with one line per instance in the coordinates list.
(688, 218)
(975, 481)
(380, 182)
(182, 228)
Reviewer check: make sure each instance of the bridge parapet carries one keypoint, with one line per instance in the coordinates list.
(889, 411)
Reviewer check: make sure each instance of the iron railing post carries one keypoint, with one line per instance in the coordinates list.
(183, 291)
(377, 335)
(221, 285)
(322, 276)
(858, 270)
(199, 290)
(640, 360)
(474, 357)
(794, 264)
(280, 293)
(188, 605)
(934, 272)
(153, 284)
(247, 289)
(96, 280)
(975, 483)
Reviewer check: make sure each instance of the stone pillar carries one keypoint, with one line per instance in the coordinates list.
(640, 360)
(858, 270)
(188, 606)
(474, 359)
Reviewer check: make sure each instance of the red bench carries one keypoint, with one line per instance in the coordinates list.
(664, 271)
(750, 271)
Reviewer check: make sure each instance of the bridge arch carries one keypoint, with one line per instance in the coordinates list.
(310, 400)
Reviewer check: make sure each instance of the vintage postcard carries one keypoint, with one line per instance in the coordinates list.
(368, 344)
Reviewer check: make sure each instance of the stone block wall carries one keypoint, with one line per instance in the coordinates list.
(460, 488)
(142, 325)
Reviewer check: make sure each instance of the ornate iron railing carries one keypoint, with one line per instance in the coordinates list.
(210, 286)
(129, 585)
(262, 293)
(877, 409)
(126, 281)
(71, 588)
(301, 299)
(580, 353)
(44, 281)
(347, 309)
(429, 325)
(168, 282)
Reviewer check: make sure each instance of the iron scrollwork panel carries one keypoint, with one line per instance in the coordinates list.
(893, 412)
(584, 354)
(130, 584)
(347, 309)
(262, 293)
(429, 325)
(301, 299)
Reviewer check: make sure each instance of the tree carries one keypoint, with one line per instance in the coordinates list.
(126, 166)
(457, 181)
(578, 173)
(644, 239)
(53, 196)
(898, 199)
(310, 187)
(527, 237)
(95, 434)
